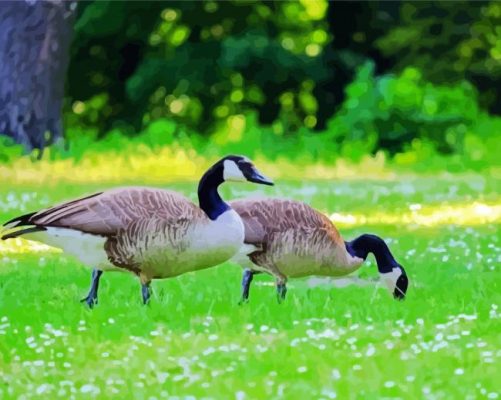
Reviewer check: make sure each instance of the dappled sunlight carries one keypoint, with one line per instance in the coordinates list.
(22, 246)
(173, 164)
(370, 167)
(165, 164)
(469, 214)
(141, 164)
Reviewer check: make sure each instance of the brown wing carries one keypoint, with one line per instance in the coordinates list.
(263, 218)
(112, 211)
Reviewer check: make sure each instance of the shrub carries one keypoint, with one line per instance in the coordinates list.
(389, 112)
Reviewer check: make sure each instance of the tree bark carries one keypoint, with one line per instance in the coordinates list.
(34, 54)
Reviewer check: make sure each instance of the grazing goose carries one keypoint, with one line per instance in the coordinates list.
(290, 239)
(152, 233)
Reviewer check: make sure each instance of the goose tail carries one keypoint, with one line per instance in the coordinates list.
(23, 220)
(9, 234)
(10, 228)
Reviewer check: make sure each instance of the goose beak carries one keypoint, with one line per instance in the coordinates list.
(256, 177)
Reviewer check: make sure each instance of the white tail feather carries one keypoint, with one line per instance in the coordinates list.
(88, 248)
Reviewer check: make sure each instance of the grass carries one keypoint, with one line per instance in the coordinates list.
(325, 341)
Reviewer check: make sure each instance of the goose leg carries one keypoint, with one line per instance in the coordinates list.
(246, 282)
(281, 288)
(145, 287)
(91, 298)
(146, 293)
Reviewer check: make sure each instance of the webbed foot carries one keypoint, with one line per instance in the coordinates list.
(90, 300)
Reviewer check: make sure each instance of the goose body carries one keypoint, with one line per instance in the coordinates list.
(292, 239)
(150, 232)
(157, 233)
(287, 238)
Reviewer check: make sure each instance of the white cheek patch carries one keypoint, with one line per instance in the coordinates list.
(390, 278)
(231, 172)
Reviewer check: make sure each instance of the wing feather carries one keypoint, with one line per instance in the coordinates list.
(270, 217)
(110, 212)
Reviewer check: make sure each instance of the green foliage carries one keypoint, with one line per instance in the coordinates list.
(287, 80)
(109, 42)
(408, 77)
(449, 42)
(392, 111)
(423, 29)
(9, 150)
(198, 63)
(420, 125)
(402, 114)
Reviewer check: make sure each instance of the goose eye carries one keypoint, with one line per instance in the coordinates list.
(246, 167)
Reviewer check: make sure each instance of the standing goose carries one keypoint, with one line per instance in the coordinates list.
(152, 233)
(290, 239)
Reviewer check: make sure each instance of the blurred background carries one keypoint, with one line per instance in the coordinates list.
(415, 84)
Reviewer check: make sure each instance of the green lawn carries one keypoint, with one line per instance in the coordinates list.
(326, 341)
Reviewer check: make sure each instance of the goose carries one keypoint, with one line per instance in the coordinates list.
(287, 238)
(152, 233)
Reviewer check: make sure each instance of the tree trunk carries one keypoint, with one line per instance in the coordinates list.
(34, 53)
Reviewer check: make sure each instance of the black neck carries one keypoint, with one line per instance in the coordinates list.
(365, 244)
(208, 197)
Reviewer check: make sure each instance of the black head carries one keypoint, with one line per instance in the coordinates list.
(230, 168)
(397, 282)
(401, 286)
(391, 272)
(241, 169)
